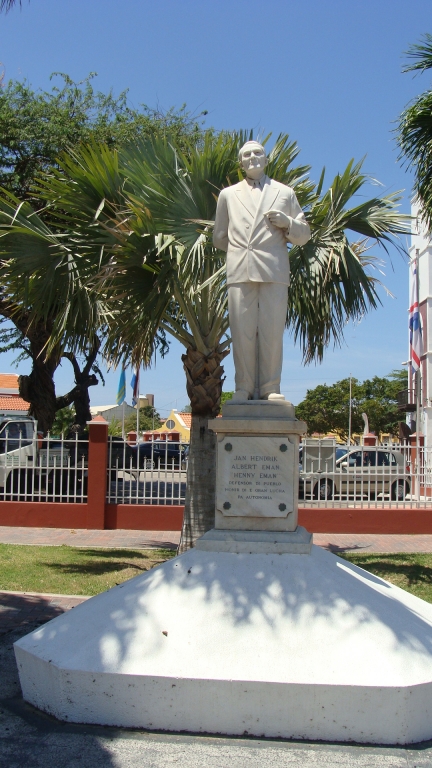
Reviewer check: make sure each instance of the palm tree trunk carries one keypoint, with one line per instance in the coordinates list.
(204, 374)
(199, 513)
(79, 395)
(38, 388)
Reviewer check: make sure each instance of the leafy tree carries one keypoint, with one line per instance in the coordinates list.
(34, 128)
(225, 396)
(414, 132)
(325, 408)
(115, 428)
(64, 421)
(148, 419)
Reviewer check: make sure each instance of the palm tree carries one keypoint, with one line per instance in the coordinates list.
(414, 133)
(44, 294)
(6, 5)
(145, 215)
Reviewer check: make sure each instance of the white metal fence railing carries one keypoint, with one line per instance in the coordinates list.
(148, 473)
(333, 475)
(41, 469)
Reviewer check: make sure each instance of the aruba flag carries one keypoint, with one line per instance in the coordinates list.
(121, 392)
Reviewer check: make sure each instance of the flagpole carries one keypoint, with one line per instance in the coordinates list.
(121, 395)
(123, 419)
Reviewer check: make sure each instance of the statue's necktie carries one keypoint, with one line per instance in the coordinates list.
(256, 193)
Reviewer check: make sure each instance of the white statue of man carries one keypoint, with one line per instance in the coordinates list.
(255, 220)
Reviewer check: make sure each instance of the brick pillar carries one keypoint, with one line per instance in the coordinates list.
(97, 472)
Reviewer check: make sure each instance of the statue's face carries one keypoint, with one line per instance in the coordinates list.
(253, 161)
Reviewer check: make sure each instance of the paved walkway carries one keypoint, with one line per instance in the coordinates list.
(81, 537)
(21, 609)
(335, 542)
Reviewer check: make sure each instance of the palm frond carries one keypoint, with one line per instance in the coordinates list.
(46, 276)
(7, 5)
(421, 53)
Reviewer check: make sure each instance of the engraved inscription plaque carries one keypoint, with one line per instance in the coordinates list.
(255, 476)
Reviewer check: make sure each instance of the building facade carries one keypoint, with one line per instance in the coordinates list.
(421, 250)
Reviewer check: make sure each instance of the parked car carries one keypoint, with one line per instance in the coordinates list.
(364, 472)
(161, 454)
(339, 452)
(31, 466)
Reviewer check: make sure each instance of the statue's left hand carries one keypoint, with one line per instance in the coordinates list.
(278, 219)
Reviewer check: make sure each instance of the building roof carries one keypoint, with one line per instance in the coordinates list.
(13, 403)
(186, 418)
(95, 409)
(8, 381)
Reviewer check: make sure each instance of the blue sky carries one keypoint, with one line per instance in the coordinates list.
(327, 73)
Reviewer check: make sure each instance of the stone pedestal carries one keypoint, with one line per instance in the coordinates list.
(257, 478)
(283, 646)
(244, 634)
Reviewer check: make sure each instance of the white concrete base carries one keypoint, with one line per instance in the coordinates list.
(272, 645)
(298, 542)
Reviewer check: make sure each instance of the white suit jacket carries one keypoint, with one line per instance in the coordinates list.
(256, 249)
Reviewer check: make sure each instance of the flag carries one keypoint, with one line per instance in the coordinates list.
(121, 392)
(135, 387)
(416, 340)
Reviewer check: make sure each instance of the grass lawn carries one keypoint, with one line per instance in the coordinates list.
(412, 572)
(70, 570)
(73, 571)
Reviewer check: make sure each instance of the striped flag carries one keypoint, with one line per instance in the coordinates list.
(135, 387)
(416, 340)
(121, 392)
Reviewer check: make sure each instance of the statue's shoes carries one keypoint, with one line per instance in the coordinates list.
(273, 396)
(240, 396)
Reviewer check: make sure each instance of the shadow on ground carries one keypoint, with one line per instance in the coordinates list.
(108, 561)
(337, 549)
(24, 610)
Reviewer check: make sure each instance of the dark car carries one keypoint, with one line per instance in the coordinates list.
(161, 454)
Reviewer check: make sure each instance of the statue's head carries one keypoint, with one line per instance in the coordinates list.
(253, 159)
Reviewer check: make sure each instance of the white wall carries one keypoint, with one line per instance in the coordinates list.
(421, 242)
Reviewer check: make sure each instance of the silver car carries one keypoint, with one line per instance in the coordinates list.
(362, 473)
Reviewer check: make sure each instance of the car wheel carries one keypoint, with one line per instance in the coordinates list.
(323, 490)
(399, 490)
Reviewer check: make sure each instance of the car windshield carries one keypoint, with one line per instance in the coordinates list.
(368, 458)
(341, 452)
